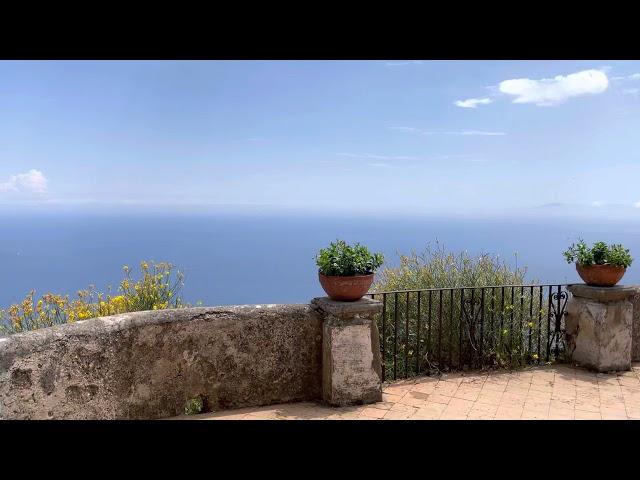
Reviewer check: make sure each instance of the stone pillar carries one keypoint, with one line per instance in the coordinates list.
(598, 327)
(635, 336)
(351, 360)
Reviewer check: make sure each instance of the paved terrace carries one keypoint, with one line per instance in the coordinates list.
(555, 392)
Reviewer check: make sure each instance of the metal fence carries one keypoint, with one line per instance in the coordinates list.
(442, 329)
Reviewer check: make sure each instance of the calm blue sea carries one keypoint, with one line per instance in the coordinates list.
(248, 259)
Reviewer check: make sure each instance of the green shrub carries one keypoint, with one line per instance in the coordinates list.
(194, 406)
(599, 254)
(340, 259)
(438, 268)
(450, 332)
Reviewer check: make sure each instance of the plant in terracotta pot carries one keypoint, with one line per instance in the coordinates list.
(346, 272)
(601, 265)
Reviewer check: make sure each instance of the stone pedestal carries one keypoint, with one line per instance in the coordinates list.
(351, 360)
(598, 327)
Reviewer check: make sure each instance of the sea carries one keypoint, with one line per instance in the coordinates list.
(268, 258)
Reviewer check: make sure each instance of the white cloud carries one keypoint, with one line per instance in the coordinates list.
(554, 91)
(407, 129)
(459, 132)
(631, 91)
(380, 165)
(376, 157)
(597, 203)
(637, 204)
(472, 102)
(476, 132)
(401, 64)
(32, 181)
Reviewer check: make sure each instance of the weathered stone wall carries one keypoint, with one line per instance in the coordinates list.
(148, 364)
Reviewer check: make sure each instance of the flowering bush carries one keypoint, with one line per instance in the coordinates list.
(157, 289)
(514, 315)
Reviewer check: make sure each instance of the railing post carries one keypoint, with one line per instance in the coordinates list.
(351, 360)
(599, 327)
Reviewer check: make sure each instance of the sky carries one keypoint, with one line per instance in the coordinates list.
(396, 135)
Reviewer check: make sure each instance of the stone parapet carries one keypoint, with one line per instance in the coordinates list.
(146, 365)
(351, 360)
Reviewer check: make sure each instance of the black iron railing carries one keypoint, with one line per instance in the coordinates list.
(443, 329)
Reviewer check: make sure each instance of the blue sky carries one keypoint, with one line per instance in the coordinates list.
(397, 135)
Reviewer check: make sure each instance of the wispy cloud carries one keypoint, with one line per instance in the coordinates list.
(633, 76)
(557, 90)
(369, 156)
(32, 181)
(637, 204)
(631, 91)
(401, 64)
(408, 129)
(380, 165)
(472, 102)
(473, 132)
(459, 132)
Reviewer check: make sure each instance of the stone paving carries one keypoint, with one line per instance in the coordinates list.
(554, 392)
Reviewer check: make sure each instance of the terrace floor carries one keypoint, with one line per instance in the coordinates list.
(554, 392)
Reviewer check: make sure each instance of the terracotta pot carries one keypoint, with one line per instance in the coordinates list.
(346, 289)
(600, 275)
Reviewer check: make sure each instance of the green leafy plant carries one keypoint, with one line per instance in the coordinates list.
(194, 406)
(599, 254)
(343, 260)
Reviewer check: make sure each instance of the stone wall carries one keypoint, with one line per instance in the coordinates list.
(148, 364)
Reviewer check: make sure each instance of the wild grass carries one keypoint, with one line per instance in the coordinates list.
(452, 324)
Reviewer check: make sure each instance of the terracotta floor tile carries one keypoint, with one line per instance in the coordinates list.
(561, 414)
(436, 398)
(396, 389)
(613, 414)
(373, 412)
(587, 415)
(489, 397)
(557, 392)
(535, 406)
(415, 399)
(459, 405)
(396, 415)
(424, 387)
(587, 406)
(534, 415)
(562, 404)
(504, 413)
(538, 387)
(494, 387)
(400, 407)
(467, 393)
(479, 408)
(431, 411)
(389, 397)
(445, 388)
